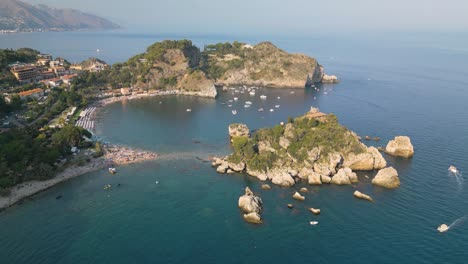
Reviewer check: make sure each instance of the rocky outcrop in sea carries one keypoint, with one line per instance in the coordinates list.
(319, 151)
(400, 146)
(251, 206)
(387, 178)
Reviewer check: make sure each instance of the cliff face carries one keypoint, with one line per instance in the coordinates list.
(314, 148)
(265, 65)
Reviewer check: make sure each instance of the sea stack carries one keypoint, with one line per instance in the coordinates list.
(251, 206)
(400, 146)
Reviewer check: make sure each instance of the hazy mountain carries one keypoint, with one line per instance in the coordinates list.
(17, 15)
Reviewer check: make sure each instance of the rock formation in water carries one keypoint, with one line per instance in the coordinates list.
(251, 206)
(400, 146)
(363, 196)
(318, 150)
(298, 196)
(387, 178)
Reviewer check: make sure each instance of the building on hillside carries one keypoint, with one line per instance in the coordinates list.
(34, 93)
(54, 82)
(44, 56)
(59, 71)
(47, 74)
(68, 79)
(26, 73)
(76, 67)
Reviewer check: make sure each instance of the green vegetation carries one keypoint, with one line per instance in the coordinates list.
(303, 135)
(30, 154)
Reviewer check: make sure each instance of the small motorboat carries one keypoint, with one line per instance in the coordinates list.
(229, 105)
(188, 110)
(230, 101)
(443, 228)
(277, 106)
(313, 223)
(234, 112)
(108, 186)
(453, 169)
(248, 102)
(272, 110)
(112, 170)
(235, 98)
(252, 93)
(292, 92)
(264, 97)
(260, 110)
(278, 97)
(247, 106)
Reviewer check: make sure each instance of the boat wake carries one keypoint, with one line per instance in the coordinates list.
(458, 221)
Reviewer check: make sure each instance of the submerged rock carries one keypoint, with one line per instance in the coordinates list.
(266, 187)
(400, 146)
(363, 196)
(387, 178)
(304, 190)
(290, 206)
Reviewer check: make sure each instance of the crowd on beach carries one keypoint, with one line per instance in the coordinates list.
(119, 155)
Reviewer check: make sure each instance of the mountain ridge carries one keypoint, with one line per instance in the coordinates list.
(20, 16)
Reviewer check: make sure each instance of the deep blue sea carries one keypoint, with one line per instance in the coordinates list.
(179, 210)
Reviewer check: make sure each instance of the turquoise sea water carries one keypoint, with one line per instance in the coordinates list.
(179, 210)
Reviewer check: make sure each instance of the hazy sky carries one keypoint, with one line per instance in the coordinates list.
(277, 16)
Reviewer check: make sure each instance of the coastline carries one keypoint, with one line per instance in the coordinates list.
(113, 156)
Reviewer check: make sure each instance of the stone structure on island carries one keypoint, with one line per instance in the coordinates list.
(251, 206)
(400, 146)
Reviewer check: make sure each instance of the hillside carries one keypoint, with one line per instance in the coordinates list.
(20, 16)
(261, 65)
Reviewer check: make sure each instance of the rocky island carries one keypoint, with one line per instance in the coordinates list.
(313, 148)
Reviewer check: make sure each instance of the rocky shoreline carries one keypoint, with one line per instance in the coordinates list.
(267, 155)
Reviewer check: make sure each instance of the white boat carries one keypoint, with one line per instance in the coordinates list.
(229, 105)
(252, 93)
(313, 222)
(260, 110)
(277, 106)
(278, 97)
(247, 106)
(248, 102)
(235, 98)
(188, 110)
(292, 92)
(263, 97)
(443, 228)
(453, 169)
(230, 101)
(272, 110)
(234, 112)
(112, 170)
